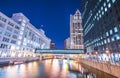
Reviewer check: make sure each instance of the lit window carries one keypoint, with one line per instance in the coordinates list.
(111, 32)
(19, 42)
(101, 8)
(100, 15)
(21, 32)
(105, 9)
(99, 11)
(108, 40)
(0, 31)
(115, 29)
(105, 41)
(23, 24)
(104, 4)
(109, 5)
(113, 1)
(102, 12)
(117, 37)
(113, 39)
(108, 0)
(107, 34)
(97, 14)
(97, 18)
(102, 42)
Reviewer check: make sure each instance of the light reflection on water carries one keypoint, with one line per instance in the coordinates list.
(54, 68)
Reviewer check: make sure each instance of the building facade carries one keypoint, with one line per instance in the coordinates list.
(18, 37)
(52, 45)
(67, 43)
(101, 24)
(76, 31)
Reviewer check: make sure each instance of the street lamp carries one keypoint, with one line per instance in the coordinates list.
(108, 54)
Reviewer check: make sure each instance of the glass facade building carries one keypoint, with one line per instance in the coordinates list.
(101, 25)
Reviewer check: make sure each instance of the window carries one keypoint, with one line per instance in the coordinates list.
(117, 37)
(113, 39)
(14, 36)
(100, 15)
(16, 32)
(2, 25)
(11, 24)
(99, 11)
(0, 31)
(108, 0)
(107, 34)
(101, 8)
(7, 34)
(111, 32)
(5, 39)
(17, 27)
(22, 28)
(115, 29)
(109, 5)
(105, 41)
(20, 37)
(18, 42)
(102, 12)
(104, 4)
(13, 42)
(105, 9)
(113, 1)
(108, 40)
(3, 46)
(3, 19)
(9, 28)
(21, 32)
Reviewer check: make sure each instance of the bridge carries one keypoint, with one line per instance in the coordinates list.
(59, 53)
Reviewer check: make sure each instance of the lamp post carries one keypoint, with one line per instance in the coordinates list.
(108, 54)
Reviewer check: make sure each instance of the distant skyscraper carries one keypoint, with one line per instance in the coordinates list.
(76, 34)
(67, 43)
(52, 45)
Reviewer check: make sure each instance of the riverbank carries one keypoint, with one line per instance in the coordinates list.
(12, 61)
(105, 67)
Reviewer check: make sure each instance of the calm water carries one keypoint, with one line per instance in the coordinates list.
(47, 69)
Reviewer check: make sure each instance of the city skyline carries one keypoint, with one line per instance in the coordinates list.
(52, 16)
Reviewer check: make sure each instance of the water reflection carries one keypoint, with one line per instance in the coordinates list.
(54, 68)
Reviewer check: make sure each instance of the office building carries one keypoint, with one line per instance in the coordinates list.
(101, 24)
(76, 31)
(18, 37)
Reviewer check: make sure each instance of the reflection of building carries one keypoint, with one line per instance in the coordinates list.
(76, 35)
(67, 43)
(101, 24)
(19, 35)
(52, 45)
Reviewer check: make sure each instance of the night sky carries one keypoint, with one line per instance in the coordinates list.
(53, 16)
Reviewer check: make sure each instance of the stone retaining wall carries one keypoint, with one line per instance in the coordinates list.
(105, 67)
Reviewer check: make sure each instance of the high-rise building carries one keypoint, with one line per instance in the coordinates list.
(101, 24)
(52, 45)
(18, 37)
(76, 31)
(67, 43)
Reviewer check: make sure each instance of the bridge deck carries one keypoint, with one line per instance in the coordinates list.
(56, 51)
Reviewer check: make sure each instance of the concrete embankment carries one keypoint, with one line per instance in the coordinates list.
(8, 61)
(105, 67)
